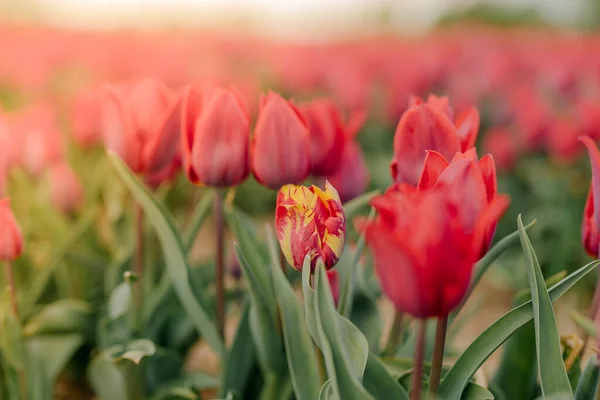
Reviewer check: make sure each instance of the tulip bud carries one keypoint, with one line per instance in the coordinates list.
(66, 192)
(280, 146)
(326, 133)
(430, 126)
(141, 125)
(590, 227)
(312, 222)
(86, 118)
(11, 239)
(334, 283)
(352, 177)
(215, 136)
(425, 247)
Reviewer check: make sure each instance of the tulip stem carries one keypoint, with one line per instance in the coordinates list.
(10, 285)
(219, 260)
(395, 336)
(438, 357)
(14, 302)
(418, 365)
(138, 267)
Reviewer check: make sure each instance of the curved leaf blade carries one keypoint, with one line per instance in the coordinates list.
(551, 368)
(485, 344)
(588, 384)
(174, 253)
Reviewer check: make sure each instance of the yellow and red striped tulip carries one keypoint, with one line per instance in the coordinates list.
(310, 221)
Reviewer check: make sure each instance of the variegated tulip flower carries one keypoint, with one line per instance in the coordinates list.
(310, 221)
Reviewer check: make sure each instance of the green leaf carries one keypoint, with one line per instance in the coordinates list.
(62, 316)
(365, 315)
(119, 302)
(12, 342)
(588, 384)
(199, 215)
(553, 376)
(188, 385)
(354, 206)
(586, 324)
(263, 323)
(108, 381)
(138, 349)
(50, 353)
(485, 344)
(240, 359)
(301, 359)
(40, 279)
(476, 392)
(379, 383)
(326, 392)
(174, 253)
(344, 347)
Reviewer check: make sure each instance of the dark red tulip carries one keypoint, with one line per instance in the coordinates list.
(590, 227)
(215, 136)
(280, 150)
(326, 133)
(141, 125)
(425, 247)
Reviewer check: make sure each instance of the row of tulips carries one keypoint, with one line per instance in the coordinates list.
(113, 305)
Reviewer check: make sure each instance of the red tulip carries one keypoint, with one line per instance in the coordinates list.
(423, 249)
(280, 150)
(66, 192)
(326, 133)
(334, 283)
(310, 221)
(500, 142)
(427, 126)
(86, 118)
(141, 125)
(11, 239)
(472, 182)
(352, 176)
(215, 135)
(590, 227)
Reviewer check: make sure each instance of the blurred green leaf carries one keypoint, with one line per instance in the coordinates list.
(584, 323)
(11, 340)
(119, 302)
(326, 392)
(476, 392)
(49, 354)
(108, 380)
(553, 376)
(61, 316)
(199, 215)
(485, 344)
(301, 359)
(240, 360)
(189, 385)
(174, 253)
(365, 315)
(356, 205)
(138, 349)
(588, 384)
(379, 383)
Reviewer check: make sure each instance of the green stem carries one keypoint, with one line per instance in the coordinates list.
(438, 357)
(418, 365)
(10, 285)
(395, 336)
(219, 260)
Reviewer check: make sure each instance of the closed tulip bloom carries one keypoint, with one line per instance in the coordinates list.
(280, 150)
(215, 135)
(326, 133)
(473, 183)
(590, 227)
(430, 126)
(86, 118)
(66, 191)
(310, 221)
(11, 239)
(141, 125)
(423, 251)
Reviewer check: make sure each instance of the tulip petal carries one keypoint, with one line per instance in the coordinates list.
(467, 127)
(595, 164)
(220, 149)
(147, 99)
(421, 128)
(117, 127)
(434, 164)
(163, 147)
(488, 171)
(191, 105)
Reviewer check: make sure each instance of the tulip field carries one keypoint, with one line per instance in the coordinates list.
(189, 215)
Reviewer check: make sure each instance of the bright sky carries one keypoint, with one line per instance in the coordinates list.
(284, 17)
